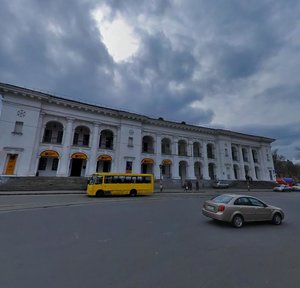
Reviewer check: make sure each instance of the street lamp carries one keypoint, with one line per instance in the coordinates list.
(160, 178)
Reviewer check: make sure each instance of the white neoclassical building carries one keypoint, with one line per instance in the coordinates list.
(45, 135)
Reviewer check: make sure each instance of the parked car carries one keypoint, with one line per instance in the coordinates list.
(296, 187)
(237, 209)
(220, 184)
(282, 188)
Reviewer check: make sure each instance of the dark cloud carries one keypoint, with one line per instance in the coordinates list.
(282, 94)
(224, 55)
(53, 46)
(151, 8)
(287, 137)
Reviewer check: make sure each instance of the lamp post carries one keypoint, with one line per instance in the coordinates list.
(160, 178)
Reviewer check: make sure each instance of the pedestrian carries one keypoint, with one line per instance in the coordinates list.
(160, 187)
(185, 186)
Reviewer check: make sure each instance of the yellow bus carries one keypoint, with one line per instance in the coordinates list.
(101, 184)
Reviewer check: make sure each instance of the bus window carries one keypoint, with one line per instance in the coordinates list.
(108, 179)
(98, 180)
(115, 179)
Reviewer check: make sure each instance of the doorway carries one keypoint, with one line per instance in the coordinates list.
(11, 164)
(76, 167)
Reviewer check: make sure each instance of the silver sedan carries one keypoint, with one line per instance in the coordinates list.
(238, 209)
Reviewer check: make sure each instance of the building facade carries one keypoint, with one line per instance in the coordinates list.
(45, 135)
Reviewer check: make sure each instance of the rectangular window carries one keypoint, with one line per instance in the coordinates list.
(43, 163)
(130, 141)
(128, 166)
(18, 128)
(54, 164)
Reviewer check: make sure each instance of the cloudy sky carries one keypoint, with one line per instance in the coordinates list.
(231, 64)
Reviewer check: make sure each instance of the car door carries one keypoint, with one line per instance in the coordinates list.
(243, 206)
(260, 212)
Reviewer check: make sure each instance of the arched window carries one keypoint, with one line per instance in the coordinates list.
(198, 170)
(245, 154)
(212, 171)
(183, 170)
(196, 149)
(147, 144)
(257, 172)
(255, 156)
(234, 153)
(53, 133)
(210, 151)
(182, 148)
(106, 139)
(247, 171)
(236, 171)
(166, 146)
(81, 136)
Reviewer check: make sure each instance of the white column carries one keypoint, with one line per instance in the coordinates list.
(92, 161)
(157, 152)
(264, 173)
(191, 170)
(118, 161)
(35, 153)
(175, 163)
(219, 161)
(252, 166)
(242, 168)
(205, 162)
(63, 164)
(158, 145)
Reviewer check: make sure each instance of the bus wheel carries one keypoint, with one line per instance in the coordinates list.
(133, 193)
(100, 193)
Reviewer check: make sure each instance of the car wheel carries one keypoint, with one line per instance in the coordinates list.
(133, 193)
(237, 221)
(100, 193)
(277, 219)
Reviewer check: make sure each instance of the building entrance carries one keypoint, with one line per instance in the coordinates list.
(76, 167)
(78, 164)
(147, 166)
(11, 164)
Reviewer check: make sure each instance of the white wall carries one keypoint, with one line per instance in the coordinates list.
(37, 112)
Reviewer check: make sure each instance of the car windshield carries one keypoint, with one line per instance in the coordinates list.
(222, 199)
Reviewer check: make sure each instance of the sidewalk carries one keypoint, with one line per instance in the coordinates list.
(54, 192)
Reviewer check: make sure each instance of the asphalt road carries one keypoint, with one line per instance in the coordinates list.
(159, 241)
